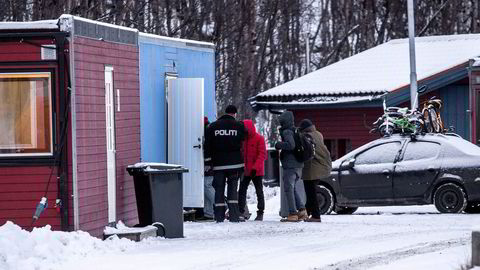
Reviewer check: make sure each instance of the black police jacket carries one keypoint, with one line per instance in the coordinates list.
(223, 143)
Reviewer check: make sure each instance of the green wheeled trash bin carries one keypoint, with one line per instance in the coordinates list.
(159, 195)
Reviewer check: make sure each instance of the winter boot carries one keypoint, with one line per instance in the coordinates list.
(259, 216)
(290, 218)
(312, 219)
(302, 215)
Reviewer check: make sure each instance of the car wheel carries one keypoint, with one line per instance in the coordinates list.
(472, 208)
(325, 198)
(345, 210)
(450, 198)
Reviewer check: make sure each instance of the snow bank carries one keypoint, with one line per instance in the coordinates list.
(46, 249)
(43, 249)
(122, 228)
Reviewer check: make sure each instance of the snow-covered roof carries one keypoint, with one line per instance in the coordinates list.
(68, 16)
(156, 39)
(45, 24)
(383, 68)
(320, 100)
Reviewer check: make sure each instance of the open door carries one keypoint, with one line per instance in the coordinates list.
(185, 135)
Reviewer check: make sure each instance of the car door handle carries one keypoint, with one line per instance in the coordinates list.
(197, 146)
(386, 172)
(431, 169)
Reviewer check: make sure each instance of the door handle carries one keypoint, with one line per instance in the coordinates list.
(431, 169)
(386, 172)
(197, 146)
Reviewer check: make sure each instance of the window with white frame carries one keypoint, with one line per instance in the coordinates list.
(26, 114)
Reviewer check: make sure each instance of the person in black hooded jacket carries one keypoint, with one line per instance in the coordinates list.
(223, 146)
(292, 168)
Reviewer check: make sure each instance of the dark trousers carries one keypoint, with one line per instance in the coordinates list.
(312, 200)
(220, 179)
(242, 193)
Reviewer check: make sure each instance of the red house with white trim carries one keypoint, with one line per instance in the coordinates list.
(70, 122)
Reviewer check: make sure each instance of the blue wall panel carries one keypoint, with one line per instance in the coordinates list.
(455, 106)
(155, 61)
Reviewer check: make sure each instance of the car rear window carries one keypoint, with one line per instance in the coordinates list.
(465, 146)
(421, 150)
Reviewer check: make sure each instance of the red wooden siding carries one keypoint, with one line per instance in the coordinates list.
(22, 187)
(16, 52)
(91, 56)
(349, 123)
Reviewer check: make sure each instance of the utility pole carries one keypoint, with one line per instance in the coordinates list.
(307, 53)
(411, 42)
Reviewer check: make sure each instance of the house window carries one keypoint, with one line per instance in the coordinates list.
(25, 114)
(338, 147)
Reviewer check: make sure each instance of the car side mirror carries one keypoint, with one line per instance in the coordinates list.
(347, 165)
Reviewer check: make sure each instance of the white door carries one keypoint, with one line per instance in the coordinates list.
(185, 134)
(110, 129)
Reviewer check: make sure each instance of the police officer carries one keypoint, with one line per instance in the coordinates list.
(223, 143)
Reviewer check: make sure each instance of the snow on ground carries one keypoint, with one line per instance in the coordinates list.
(411, 237)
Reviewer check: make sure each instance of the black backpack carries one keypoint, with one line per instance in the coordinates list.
(304, 146)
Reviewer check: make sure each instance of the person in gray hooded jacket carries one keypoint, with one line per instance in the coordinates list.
(292, 168)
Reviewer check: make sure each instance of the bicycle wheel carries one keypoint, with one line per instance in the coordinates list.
(386, 130)
(433, 119)
(416, 126)
(427, 123)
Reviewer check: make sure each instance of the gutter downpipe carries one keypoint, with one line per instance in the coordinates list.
(69, 27)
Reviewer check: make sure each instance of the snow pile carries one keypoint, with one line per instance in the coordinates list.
(43, 249)
(122, 228)
(46, 249)
(272, 199)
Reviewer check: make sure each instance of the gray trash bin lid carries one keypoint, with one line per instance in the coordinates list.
(153, 167)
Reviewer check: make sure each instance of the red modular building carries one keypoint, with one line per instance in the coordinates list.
(70, 123)
(345, 98)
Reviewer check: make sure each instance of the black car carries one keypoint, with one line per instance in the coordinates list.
(439, 169)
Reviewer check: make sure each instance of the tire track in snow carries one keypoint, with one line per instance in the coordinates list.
(387, 257)
(273, 254)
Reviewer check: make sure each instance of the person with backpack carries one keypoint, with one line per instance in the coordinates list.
(255, 153)
(315, 169)
(292, 168)
(223, 146)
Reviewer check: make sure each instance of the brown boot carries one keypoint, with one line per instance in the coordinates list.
(302, 215)
(290, 218)
(312, 219)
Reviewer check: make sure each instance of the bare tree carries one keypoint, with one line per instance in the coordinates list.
(261, 43)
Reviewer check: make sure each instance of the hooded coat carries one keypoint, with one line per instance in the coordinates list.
(255, 151)
(287, 145)
(321, 164)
